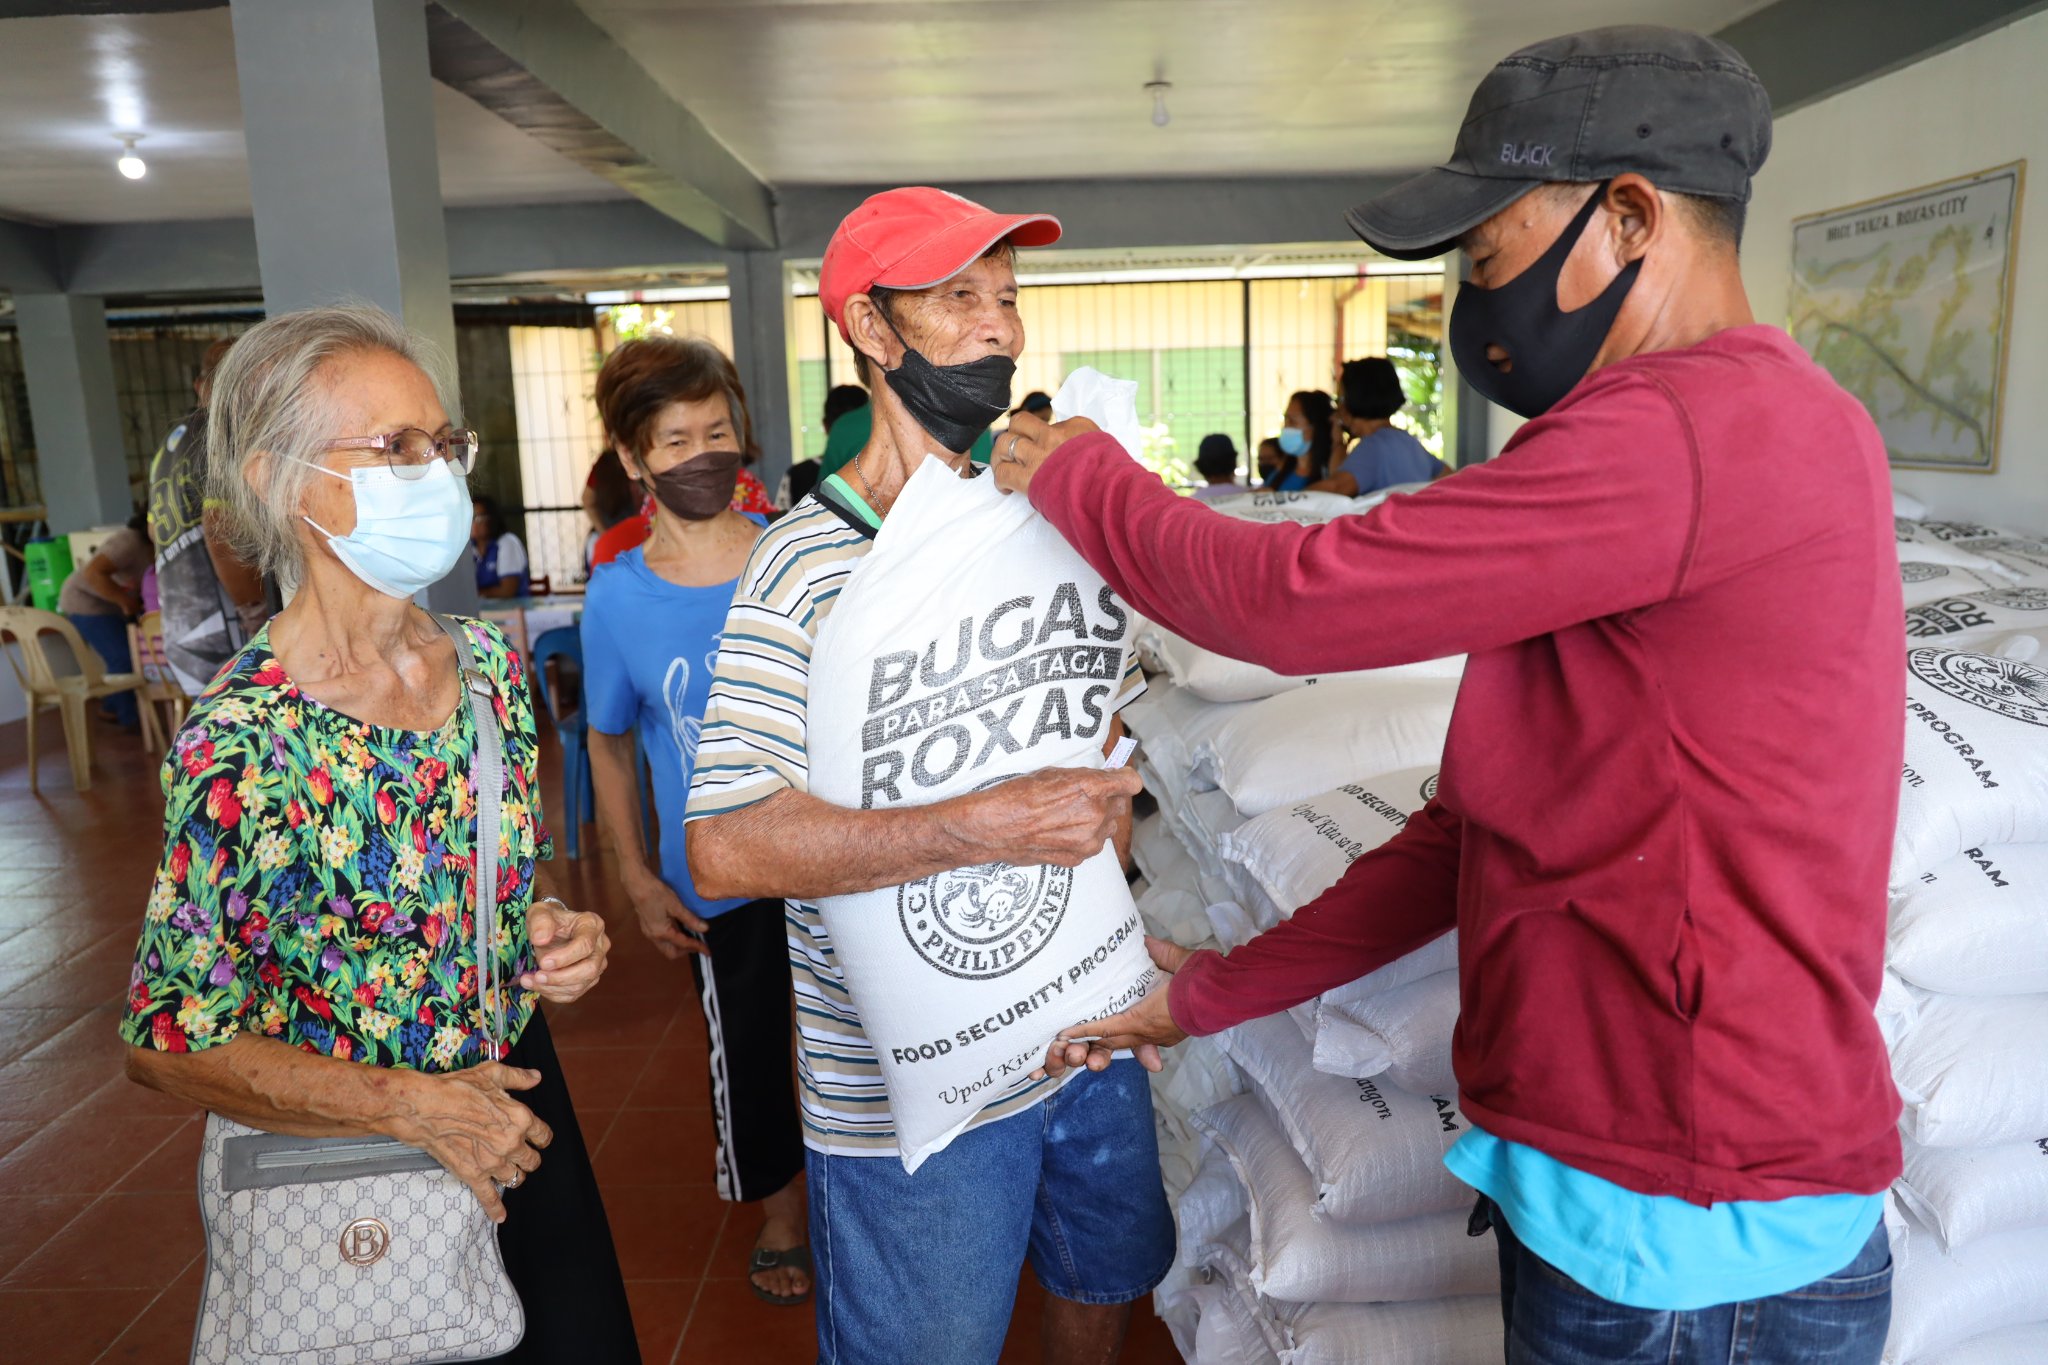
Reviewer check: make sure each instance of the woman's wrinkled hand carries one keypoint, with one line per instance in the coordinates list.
(469, 1122)
(570, 950)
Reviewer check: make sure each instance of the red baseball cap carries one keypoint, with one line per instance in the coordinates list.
(914, 238)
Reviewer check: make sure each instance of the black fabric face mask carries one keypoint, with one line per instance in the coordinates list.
(955, 404)
(699, 489)
(1551, 349)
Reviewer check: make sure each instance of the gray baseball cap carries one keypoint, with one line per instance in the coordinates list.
(1682, 109)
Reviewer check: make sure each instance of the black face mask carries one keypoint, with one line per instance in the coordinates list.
(955, 404)
(1551, 349)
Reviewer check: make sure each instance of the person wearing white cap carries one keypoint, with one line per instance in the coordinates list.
(915, 1267)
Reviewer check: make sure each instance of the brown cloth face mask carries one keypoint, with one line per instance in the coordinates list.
(699, 488)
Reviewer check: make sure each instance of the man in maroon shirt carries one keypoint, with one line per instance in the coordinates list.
(1664, 820)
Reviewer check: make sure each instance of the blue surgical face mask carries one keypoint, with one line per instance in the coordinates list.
(1293, 441)
(409, 532)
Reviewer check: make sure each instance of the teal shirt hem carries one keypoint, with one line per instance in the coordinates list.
(1658, 1252)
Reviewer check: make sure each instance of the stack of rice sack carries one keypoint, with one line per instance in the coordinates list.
(1969, 938)
(1319, 1224)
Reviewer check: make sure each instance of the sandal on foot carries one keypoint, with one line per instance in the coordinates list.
(796, 1258)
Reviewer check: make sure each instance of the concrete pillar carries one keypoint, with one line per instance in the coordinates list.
(69, 369)
(760, 341)
(338, 109)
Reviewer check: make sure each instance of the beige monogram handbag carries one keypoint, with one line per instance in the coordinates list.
(334, 1251)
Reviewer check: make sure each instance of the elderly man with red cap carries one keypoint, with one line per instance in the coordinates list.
(920, 1266)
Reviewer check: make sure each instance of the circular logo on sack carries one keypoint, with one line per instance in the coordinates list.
(2005, 686)
(2017, 599)
(984, 921)
(365, 1241)
(1913, 571)
(1429, 787)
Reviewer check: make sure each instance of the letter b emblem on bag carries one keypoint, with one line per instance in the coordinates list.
(365, 1241)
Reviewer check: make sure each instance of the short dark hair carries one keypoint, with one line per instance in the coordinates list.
(1371, 388)
(647, 374)
(842, 399)
(1216, 455)
(614, 493)
(486, 506)
(1716, 219)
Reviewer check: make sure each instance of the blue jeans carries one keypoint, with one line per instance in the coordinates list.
(108, 636)
(1840, 1319)
(923, 1268)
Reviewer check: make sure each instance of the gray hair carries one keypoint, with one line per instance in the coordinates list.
(268, 401)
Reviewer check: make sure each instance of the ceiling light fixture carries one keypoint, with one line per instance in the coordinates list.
(131, 165)
(1160, 118)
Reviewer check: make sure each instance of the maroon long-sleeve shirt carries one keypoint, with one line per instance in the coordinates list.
(1665, 816)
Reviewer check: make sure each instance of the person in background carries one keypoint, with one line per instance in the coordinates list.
(1381, 454)
(651, 628)
(918, 1268)
(1038, 403)
(1216, 462)
(306, 964)
(1664, 821)
(851, 433)
(1272, 463)
(1307, 440)
(500, 558)
(609, 497)
(804, 475)
(748, 496)
(101, 596)
(212, 599)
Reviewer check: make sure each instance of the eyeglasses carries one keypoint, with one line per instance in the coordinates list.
(412, 452)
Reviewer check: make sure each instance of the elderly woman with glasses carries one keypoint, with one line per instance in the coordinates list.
(309, 962)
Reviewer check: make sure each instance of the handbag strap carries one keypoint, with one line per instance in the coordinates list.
(488, 778)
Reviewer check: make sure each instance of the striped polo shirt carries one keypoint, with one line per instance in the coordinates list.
(753, 746)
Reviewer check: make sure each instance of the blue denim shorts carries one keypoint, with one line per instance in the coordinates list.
(914, 1268)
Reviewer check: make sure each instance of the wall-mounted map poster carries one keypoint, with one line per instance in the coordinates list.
(1906, 300)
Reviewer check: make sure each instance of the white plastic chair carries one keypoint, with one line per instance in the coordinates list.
(50, 687)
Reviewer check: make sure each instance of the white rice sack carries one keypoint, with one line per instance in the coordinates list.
(1304, 1259)
(1976, 771)
(1298, 852)
(1977, 924)
(2027, 1345)
(1898, 1009)
(1912, 532)
(1278, 751)
(971, 645)
(1159, 855)
(1927, 582)
(1974, 1072)
(2025, 558)
(1408, 1029)
(1460, 1331)
(1170, 723)
(1218, 677)
(1299, 506)
(1176, 914)
(1964, 1193)
(1972, 618)
(1375, 1155)
(1227, 1333)
(1941, 1299)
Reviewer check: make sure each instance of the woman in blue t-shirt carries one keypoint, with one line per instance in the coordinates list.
(675, 412)
(1306, 440)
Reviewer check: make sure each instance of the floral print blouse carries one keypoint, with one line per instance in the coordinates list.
(316, 879)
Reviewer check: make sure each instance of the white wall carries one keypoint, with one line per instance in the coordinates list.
(1979, 105)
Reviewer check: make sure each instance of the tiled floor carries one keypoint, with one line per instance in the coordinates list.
(99, 1226)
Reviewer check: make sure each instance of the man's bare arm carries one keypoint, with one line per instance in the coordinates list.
(795, 845)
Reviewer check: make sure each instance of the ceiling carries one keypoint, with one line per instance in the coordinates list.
(68, 84)
(841, 91)
(835, 92)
